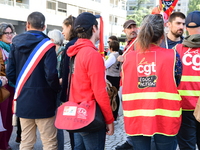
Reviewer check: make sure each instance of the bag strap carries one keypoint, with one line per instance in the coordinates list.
(31, 63)
(71, 70)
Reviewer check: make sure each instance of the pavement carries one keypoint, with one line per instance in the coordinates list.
(118, 138)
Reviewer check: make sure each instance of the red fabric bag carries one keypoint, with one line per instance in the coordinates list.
(83, 117)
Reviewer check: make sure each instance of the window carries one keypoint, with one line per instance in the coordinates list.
(19, 1)
(97, 13)
(131, 7)
(90, 11)
(81, 10)
(115, 21)
(111, 20)
(62, 7)
(51, 5)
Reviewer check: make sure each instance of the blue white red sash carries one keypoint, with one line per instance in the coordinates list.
(32, 61)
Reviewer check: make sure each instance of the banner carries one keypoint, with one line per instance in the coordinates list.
(165, 8)
(168, 6)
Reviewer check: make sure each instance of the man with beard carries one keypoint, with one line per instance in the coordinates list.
(130, 29)
(175, 24)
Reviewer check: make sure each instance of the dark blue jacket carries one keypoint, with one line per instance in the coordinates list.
(38, 96)
(170, 43)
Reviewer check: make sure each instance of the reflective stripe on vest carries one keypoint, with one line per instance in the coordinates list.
(151, 95)
(189, 92)
(152, 113)
(190, 78)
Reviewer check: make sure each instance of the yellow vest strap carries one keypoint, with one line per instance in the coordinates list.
(190, 78)
(189, 93)
(152, 113)
(151, 95)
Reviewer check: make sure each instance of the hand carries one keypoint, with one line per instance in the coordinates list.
(120, 58)
(60, 81)
(4, 80)
(110, 129)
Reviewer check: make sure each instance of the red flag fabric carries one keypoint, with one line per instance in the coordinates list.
(165, 8)
(168, 6)
(101, 42)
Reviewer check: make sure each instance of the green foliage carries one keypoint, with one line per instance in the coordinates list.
(139, 12)
(138, 15)
(193, 5)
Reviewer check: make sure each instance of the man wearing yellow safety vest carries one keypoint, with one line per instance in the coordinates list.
(151, 103)
(189, 88)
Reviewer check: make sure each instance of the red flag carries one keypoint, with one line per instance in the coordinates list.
(168, 6)
(101, 43)
(165, 8)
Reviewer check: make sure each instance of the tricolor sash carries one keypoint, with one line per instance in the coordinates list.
(32, 61)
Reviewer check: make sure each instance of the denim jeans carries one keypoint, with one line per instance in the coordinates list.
(189, 133)
(153, 145)
(161, 142)
(90, 140)
(60, 138)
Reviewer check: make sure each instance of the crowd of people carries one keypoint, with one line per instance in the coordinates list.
(158, 73)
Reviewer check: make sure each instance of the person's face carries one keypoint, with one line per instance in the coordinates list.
(96, 32)
(7, 36)
(66, 31)
(131, 32)
(176, 27)
(109, 40)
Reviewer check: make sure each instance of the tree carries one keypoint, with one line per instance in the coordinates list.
(139, 12)
(193, 5)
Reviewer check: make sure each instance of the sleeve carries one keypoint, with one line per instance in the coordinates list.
(64, 85)
(64, 65)
(98, 84)
(110, 61)
(11, 66)
(178, 69)
(51, 73)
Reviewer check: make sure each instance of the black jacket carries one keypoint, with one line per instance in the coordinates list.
(65, 71)
(38, 96)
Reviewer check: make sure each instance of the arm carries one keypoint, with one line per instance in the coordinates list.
(51, 73)
(96, 73)
(178, 69)
(11, 66)
(110, 61)
(64, 69)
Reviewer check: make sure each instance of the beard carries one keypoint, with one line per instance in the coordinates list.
(132, 35)
(177, 33)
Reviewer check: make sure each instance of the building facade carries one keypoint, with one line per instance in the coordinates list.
(55, 11)
(182, 6)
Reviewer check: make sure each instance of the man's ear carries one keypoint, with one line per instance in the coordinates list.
(44, 28)
(124, 31)
(28, 26)
(94, 28)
